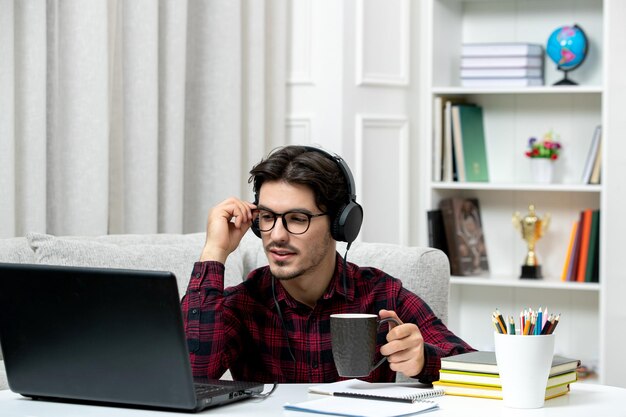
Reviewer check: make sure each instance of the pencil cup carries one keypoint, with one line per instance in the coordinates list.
(524, 364)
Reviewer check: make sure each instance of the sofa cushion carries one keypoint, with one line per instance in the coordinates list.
(16, 250)
(175, 253)
(422, 270)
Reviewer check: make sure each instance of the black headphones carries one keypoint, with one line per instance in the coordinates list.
(346, 224)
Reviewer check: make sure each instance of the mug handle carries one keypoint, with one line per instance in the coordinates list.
(383, 321)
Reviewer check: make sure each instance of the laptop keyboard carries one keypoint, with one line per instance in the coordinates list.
(208, 390)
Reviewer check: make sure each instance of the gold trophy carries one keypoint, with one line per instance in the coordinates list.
(532, 229)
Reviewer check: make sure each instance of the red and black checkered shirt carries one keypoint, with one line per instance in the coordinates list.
(240, 328)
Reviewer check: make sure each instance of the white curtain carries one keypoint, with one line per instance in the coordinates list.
(134, 116)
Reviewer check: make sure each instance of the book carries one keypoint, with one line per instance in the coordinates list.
(485, 362)
(436, 231)
(409, 391)
(501, 72)
(595, 275)
(501, 49)
(594, 246)
(502, 62)
(356, 407)
(570, 249)
(448, 165)
(467, 251)
(585, 225)
(467, 390)
(502, 82)
(469, 136)
(592, 154)
(457, 144)
(493, 380)
(438, 109)
(597, 165)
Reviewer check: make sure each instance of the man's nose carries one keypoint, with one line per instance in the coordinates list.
(279, 232)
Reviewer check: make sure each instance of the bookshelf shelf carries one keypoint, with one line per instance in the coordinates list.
(518, 283)
(452, 91)
(559, 188)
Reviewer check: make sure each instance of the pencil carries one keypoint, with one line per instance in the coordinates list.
(547, 325)
(539, 322)
(496, 324)
(554, 323)
(501, 320)
(373, 397)
(526, 327)
(511, 325)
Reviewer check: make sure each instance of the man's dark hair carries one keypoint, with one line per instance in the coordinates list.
(299, 165)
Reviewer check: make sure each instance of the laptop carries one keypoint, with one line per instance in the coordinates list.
(98, 335)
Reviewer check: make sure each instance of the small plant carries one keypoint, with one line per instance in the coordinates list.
(548, 147)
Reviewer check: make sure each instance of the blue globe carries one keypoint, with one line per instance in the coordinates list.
(567, 47)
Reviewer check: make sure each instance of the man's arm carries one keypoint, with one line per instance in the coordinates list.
(227, 223)
(416, 347)
(212, 333)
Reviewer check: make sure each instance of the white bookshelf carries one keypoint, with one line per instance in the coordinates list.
(511, 116)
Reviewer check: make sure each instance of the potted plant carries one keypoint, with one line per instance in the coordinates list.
(543, 153)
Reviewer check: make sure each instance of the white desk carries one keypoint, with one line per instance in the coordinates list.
(583, 400)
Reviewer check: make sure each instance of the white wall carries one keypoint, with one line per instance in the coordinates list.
(352, 85)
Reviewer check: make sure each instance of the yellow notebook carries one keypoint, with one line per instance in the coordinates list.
(481, 391)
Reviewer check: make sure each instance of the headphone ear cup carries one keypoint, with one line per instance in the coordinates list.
(347, 223)
(255, 227)
(336, 231)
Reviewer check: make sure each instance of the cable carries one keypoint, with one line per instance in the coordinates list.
(280, 316)
(343, 272)
(262, 395)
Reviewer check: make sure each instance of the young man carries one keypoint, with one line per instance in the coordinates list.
(275, 326)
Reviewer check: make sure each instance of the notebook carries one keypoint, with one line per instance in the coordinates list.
(363, 389)
(358, 398)
(356, 407)
(101, 335)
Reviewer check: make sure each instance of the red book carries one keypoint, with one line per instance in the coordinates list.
(584, 245)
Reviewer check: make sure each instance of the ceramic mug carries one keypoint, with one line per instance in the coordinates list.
(354, 343)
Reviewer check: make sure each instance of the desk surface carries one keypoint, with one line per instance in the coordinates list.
(583, 400)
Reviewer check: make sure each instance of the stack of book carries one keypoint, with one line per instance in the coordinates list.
(475, 374)
(501, 64)
(583, 251)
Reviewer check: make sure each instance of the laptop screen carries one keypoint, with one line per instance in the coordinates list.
(94, 334)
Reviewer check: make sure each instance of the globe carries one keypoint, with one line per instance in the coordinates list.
(567, 47)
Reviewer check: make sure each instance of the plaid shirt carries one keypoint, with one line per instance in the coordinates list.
(240, 328)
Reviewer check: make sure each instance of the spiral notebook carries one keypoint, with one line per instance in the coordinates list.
(383, 391)
(357, 398)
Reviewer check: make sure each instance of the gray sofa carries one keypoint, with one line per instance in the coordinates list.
(424, 271)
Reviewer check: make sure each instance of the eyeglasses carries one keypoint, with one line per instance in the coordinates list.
(295, 222)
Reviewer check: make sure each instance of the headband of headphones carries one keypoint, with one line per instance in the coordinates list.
(346, 224)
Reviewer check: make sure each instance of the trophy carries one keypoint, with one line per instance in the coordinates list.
(532, 229)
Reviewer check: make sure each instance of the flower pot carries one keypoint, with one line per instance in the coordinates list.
(541, 170)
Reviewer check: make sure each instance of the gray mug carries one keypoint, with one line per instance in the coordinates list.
(353, 339)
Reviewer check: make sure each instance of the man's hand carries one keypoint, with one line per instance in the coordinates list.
(227, 223)
(405, 347)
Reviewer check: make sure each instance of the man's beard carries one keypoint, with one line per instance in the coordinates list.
(315, 257)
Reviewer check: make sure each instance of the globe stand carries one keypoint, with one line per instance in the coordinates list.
(565, 80)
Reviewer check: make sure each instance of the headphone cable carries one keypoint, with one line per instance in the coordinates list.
(280, 316)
